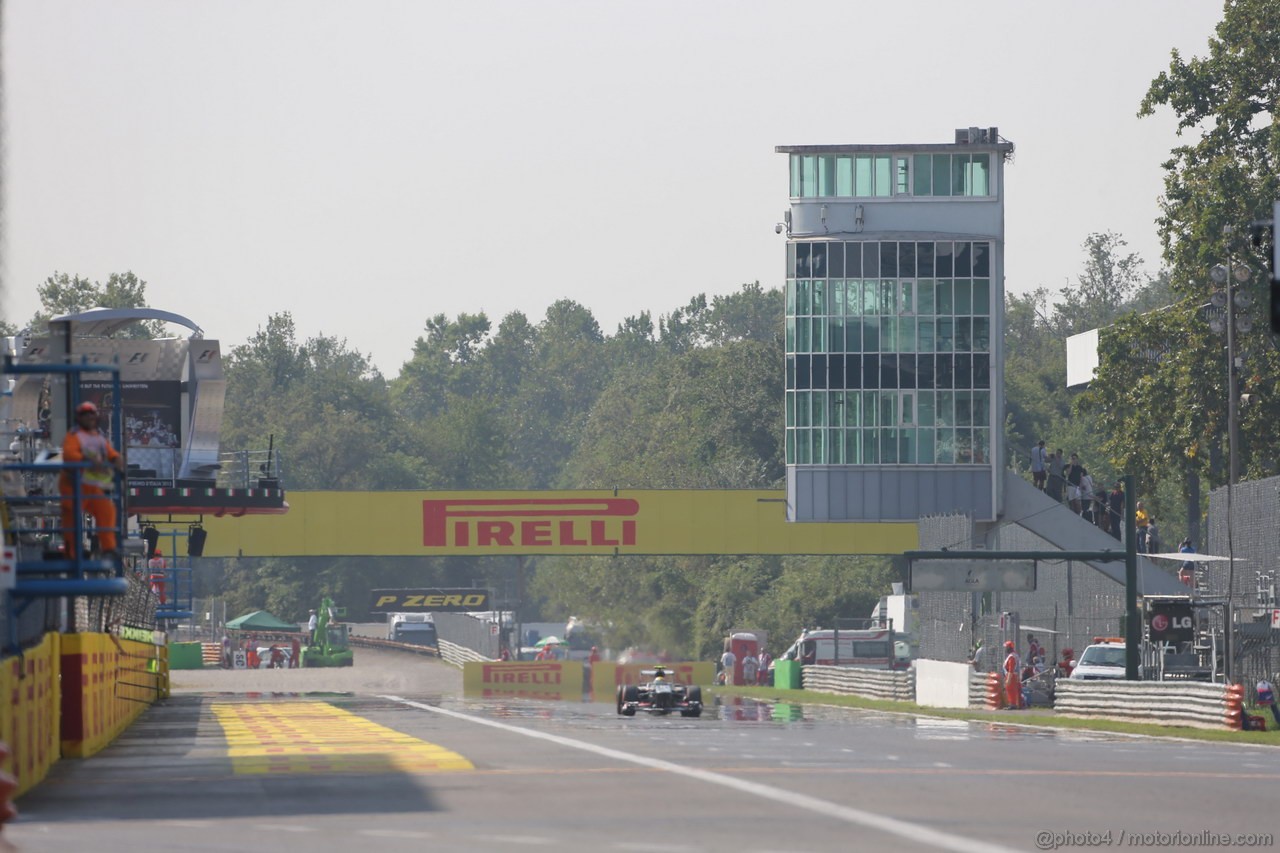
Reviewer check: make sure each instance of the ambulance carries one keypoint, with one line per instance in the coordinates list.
(873, 648)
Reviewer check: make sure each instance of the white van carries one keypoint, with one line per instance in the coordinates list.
(872, 649)
(417, 629)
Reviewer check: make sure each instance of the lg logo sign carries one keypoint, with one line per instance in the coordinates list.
(1162, 622)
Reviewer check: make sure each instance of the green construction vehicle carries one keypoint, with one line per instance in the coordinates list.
(328, 646)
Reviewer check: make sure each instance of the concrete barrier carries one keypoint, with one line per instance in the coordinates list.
(943, 684)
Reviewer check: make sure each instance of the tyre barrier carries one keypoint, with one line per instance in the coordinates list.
(995, 692)
(1234, 706)
(211, 654)
(857, 681)
(1197, 705)
(8, 786)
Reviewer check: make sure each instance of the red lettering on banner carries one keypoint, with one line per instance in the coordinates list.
(494, 533)
(597, 535)
(535, 533)
(543, 522)
(521, 673)
(567, 536)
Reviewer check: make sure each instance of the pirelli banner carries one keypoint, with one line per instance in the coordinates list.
(428, 600)
(650, 522)
(533, 679)
(605, 676)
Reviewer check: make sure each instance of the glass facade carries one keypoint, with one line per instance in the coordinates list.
(888, 175)
(888, 350)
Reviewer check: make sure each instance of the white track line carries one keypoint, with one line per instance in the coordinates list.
(892, 826)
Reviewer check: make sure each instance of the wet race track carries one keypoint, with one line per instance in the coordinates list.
(389, 756)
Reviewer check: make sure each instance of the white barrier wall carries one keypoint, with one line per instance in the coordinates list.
(942, 684)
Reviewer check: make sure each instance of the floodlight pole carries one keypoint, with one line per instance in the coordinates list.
(1132, 627)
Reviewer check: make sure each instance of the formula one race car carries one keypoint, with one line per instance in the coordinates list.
(659, 696)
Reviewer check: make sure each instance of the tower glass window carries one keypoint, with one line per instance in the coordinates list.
(889, 362)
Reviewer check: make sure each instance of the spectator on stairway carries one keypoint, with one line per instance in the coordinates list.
(1153, 537)
(1056, 481)
(1143, 520)
(1115, 510)
(1039, 465)
(1074, 474)
(1187, 571)
(1086, 498)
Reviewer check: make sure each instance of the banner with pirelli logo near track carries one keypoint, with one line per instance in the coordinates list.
(428, 600)
(536, 523)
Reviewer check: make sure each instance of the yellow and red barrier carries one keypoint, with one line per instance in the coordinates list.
(107, 682)
(29, 722)
(551, 679)
(8, 789)
(605, 677)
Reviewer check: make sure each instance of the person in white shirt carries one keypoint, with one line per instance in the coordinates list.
(312, 624)
(727, 661)
(1039, 465)
(750, 668)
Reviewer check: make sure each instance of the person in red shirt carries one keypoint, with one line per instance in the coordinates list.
(1065, 667)
(1012, 677)
(85, 443)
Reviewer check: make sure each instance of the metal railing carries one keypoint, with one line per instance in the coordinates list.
(249, 469)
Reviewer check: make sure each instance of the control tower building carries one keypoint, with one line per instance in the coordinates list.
(894, 319)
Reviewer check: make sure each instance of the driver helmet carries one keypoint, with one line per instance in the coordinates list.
(659, 673)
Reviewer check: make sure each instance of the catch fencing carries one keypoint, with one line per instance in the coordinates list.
(1202, 706)
(855, 681)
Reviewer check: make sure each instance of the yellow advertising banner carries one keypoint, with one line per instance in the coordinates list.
(648, 522)
(605, 677)
(529, 679)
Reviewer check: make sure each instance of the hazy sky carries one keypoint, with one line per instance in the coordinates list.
(366, 164)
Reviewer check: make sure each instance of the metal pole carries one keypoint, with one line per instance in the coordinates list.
(1233, 472)
(1132, 628)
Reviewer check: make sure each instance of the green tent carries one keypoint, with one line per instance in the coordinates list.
(260, 620)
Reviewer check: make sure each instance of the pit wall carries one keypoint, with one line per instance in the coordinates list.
(29, 711)
(70, 695)
(107, 682)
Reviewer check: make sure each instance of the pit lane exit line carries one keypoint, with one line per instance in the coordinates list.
(891, 826)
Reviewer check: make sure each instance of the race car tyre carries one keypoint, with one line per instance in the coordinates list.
(621, 689)
(628, 710)
(631, 693)
(692, 712)
(694, 695)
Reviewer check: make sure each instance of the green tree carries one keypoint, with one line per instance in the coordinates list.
(62, 294)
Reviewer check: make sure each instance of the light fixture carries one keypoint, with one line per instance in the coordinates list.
(1218, 299)
(195, 540)
(1219, 273)
(1244, 323)
(1242, 272)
